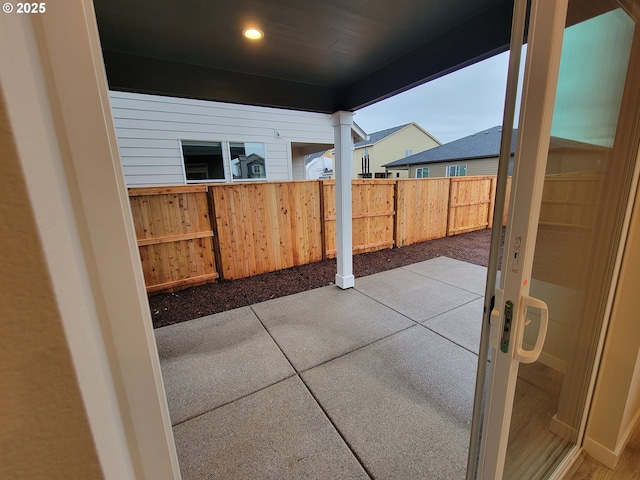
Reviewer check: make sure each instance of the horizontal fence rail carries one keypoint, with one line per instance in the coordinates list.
(191, 235)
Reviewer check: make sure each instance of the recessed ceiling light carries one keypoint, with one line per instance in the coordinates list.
(253, 33)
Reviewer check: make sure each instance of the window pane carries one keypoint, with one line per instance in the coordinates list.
(418, 173)
(203, 161)
(463, 170)
(247, 160)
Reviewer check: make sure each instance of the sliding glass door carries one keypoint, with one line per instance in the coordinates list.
(576, 149)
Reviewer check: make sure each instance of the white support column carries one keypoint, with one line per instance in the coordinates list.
(342, 123)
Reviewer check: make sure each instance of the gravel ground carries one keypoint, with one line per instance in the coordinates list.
(167, 309)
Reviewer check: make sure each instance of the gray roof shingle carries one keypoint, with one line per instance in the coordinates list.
(485, 143)
(377, 136)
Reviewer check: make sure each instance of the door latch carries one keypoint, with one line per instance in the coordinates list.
(506, 330)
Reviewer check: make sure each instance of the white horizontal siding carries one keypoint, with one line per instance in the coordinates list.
(154, 152)
(158, 169)
(149, 129)
(148, 180)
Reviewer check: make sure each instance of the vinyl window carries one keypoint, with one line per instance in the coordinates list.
(456, 170)
(202, 161)
(422, 172)
(247, 160)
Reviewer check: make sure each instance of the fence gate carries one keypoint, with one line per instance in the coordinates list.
(174, 236)
(470, 204)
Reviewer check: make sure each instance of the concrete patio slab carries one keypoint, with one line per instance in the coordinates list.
(413, 294)
(461, 325)
(277, 433)
(213, 360)
(403, 404)
(319, 325)
(457, 273)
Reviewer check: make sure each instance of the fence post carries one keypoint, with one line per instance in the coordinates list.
(449, 206)
(214, 228)
(395, 213)
(323, 243)
(492, 201)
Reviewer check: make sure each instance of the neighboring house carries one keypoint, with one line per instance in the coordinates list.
(388, 145)
(176, 141)
(478, 154)
(320, 165)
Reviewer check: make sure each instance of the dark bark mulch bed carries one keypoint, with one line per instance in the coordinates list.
(170, 308)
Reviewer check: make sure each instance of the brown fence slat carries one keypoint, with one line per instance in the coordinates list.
(174, 236)
(469, 204)
(372, 205)
(422, 205)
(266, 226)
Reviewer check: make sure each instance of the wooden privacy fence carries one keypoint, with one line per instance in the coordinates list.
(175, 239)
(423, 210)
(470, 204)
(262, 227)
(373, 211)
(190, 235)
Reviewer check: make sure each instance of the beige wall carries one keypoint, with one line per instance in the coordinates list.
(44, 432)
(616, 404)
(87, 295)
(485, 166)
(393, 148)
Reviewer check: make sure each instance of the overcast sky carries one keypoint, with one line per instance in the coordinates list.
(451, 107)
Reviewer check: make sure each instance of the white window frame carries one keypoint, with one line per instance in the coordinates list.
(228, 150)
(457, 169)
(422, 171)
(183, 141)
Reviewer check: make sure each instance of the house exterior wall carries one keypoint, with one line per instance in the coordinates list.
(298, 168)
(482, 166)
(150, 127)
(392, 148)
(398, 173)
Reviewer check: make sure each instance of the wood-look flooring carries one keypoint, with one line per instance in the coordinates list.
(628, 468)
(533, 452)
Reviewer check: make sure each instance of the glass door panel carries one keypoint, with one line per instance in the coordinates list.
(585, 186)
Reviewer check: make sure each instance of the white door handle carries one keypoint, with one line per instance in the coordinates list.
(530, 356)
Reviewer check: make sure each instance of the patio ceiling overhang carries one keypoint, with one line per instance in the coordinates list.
(316, 55)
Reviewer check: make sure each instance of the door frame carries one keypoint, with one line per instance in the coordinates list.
(546, 31)
(619, 251)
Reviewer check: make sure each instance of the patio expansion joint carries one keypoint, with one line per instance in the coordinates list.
(422, 324)
(338, 431)
(355, 349)
(273, 339)
(326, 414)
(173, 425)
(438, 280)
(298, 371)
